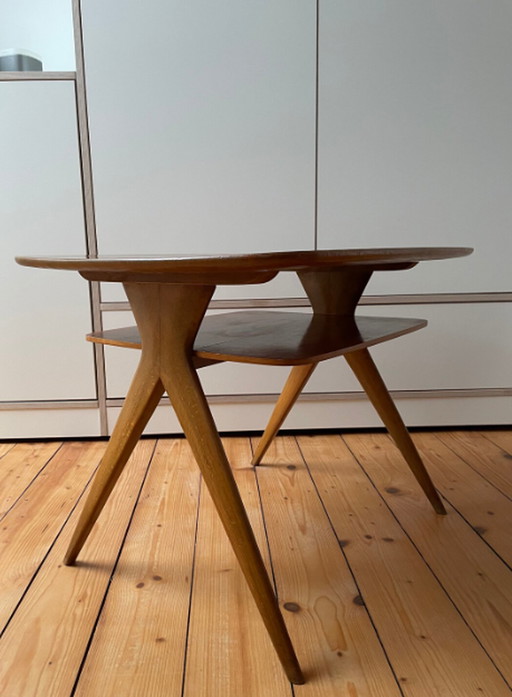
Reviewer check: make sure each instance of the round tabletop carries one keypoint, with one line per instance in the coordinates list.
(245, 268)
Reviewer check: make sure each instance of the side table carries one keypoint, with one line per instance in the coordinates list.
(169, 297)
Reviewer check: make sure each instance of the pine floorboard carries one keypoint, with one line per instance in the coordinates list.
(382, 598)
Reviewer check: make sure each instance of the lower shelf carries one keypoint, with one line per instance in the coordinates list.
(279, 338)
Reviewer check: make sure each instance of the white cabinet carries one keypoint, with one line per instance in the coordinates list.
(415, 141)
(202, 126)
(415, 145)
(204, 120)
(44, 314)
(460, 349)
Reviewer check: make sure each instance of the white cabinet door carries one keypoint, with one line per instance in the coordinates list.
(415, 135)
(464, 346)
(45, 314)
(202, 125)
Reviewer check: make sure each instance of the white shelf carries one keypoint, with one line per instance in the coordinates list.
(19, 76)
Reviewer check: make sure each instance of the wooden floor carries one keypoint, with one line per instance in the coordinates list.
(382, 597)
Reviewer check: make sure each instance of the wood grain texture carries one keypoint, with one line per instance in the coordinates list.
(20, 465)
(428, 643)
(143, 396)
(297, 380)
(120, 267)
(144, 621)
(335, 292)
(482, 505)
(53, 630)
(5, 447)
(278, 338)
(168, 318)
(44, 644)
(226, 631)
(330, 627)
(31, 526)
(366, 372)
(483, 455)
(476, 580)
(501, 438)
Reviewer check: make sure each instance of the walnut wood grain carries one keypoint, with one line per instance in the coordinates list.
(278, 338)
(155, 268)
(337, 291)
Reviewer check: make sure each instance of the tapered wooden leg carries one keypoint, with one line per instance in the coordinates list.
(294, 385)
(366, 372)
(141, 401)
(168, 317)
(187, 398)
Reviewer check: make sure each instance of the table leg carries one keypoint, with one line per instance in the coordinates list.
(168, 317)
(366, 372)
(294, 385)
(141, 401)
(189, 403)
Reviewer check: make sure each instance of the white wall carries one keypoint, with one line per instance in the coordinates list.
(202, 121)
(415, 139)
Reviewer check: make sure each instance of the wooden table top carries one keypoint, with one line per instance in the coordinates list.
(240, 268)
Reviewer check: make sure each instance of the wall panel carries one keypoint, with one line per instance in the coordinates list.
(414, 135)
(45, 314)
(202, 125)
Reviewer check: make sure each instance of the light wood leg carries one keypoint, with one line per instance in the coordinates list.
(294, 385)
(366, 372)
(168, 318)
(194, 414)
(141, 401)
